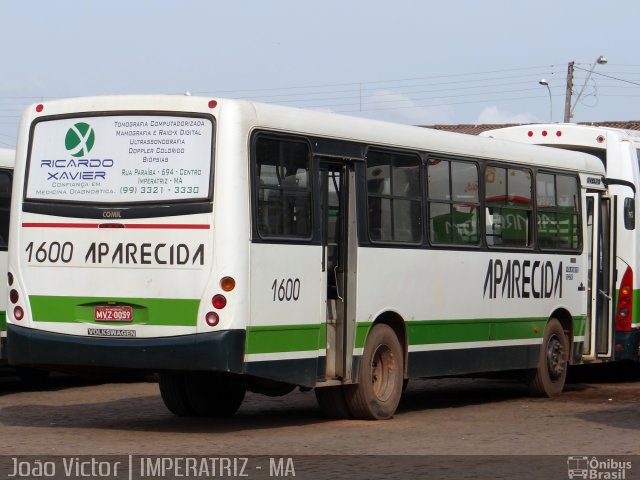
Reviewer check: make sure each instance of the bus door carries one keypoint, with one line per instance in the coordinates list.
(598, 338)
(337, 214)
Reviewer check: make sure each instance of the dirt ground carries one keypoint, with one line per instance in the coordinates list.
(71, 416)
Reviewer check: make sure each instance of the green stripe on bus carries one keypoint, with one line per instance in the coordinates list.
(427, 332)
(3, 321)
(579, 324)
(286, 338)
(151, 311)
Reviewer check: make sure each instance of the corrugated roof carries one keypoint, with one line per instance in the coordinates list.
(477, 129)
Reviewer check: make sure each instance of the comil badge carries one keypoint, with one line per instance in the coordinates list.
(80, 139)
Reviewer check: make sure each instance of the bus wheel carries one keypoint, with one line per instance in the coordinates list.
(548, 379)
(380, 376)
(332, 402)
(174, 393)
(214, 395)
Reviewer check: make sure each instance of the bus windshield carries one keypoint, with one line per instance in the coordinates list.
(118, 159)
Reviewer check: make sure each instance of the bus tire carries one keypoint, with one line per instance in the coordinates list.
(548, 379)
(332, 402)
(380, 377)
(174, 393)
(214, 395)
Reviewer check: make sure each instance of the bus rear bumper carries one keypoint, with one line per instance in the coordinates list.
(213, 351)
(627, 345)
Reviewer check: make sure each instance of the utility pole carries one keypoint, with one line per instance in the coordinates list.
(567, 98)
(568, 110)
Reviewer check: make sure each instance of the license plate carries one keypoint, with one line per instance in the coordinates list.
(113, 313)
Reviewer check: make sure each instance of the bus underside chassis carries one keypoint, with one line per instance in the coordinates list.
(202, 394)
(213, 394)
(376, 394)
(381, 383)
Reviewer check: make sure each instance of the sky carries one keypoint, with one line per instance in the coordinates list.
(414, 62)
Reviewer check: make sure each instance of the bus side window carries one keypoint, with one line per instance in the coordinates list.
(557, 204)
(5, 204)
(568, 219)
(283, 189)
(394, 198)
(508, 207)
(453, 203)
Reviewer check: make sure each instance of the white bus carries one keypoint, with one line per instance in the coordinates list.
(235, 246)
(619, 152)
(7, 158)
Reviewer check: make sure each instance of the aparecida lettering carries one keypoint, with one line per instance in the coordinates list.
(523, 279)
(144, 254)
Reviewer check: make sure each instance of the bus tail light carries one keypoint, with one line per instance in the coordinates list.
(14, 296)
(212, 319)
(625, 302)
(227, 284)
(10, 278)
(219, 301)
(18, 313)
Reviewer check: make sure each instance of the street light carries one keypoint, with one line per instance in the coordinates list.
(568, 109)
(546, 84)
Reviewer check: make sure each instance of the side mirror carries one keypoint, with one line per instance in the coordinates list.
(629, 213)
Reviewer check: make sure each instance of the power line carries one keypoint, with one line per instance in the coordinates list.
(375, 81)
(377, 94)
(615, 78)
(310, 97)
(444, 104)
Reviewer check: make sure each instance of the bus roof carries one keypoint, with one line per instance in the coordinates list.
(251, 115)
(557, 134)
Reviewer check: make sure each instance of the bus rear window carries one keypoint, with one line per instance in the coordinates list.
(120, 159)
